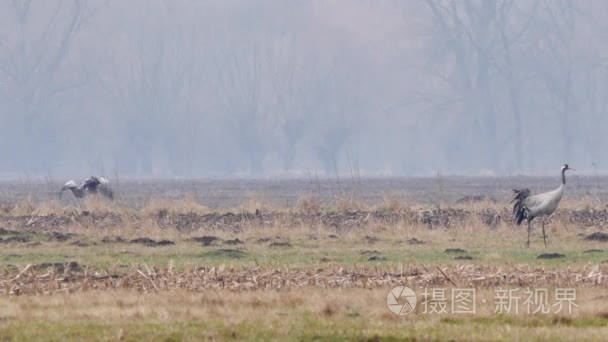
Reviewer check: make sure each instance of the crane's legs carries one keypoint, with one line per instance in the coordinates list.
(528, 242)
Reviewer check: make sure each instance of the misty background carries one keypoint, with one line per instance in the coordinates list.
(264, 88)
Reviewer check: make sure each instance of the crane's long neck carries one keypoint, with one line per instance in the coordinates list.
(564, 177)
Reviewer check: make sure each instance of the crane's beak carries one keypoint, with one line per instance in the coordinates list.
(569, 168)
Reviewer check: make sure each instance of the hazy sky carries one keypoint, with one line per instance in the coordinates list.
(296, 88)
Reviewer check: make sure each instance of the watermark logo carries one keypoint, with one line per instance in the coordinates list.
(401, 300)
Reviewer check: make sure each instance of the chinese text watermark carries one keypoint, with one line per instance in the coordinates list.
(402, 300)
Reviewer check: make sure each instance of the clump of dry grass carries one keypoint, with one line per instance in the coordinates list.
(99, 204)
(308, 204)
(24, 207)
(5, 208)
(393, 203)
(185, 205)
(330, 309)
(52, 207)
(587, 202)
(483, 205)
(255, 204)
(350, 203)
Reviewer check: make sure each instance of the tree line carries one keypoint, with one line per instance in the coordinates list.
(253, 88)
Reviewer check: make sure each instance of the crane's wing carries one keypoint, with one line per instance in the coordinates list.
(68, 185)
(520, 194)
(520, 206)
(539, 202)
(105, 188)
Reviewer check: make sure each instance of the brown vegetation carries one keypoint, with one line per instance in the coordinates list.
(187, 215)
(71, 277)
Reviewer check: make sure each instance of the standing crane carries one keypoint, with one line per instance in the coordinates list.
(91, 185)
(542, 205)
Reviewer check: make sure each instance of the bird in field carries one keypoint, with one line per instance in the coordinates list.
(528, 207)
(91, 185)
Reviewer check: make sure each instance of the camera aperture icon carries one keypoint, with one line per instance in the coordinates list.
(401, 300)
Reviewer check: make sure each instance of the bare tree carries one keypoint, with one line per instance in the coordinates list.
(298, 88)
(156, 86)
(555, 66)
(331, 141)
(243, 86)
(511, 32)
(35, 72)
(474, 33)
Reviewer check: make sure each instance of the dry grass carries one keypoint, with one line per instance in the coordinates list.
(392, 219)
(305, 314)
(255, 204)
(587, 202)
(308, 204)
(350, 203)
(71, 278)
(393, 203)
(99, 204)
(185, 205)
(24, 207)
